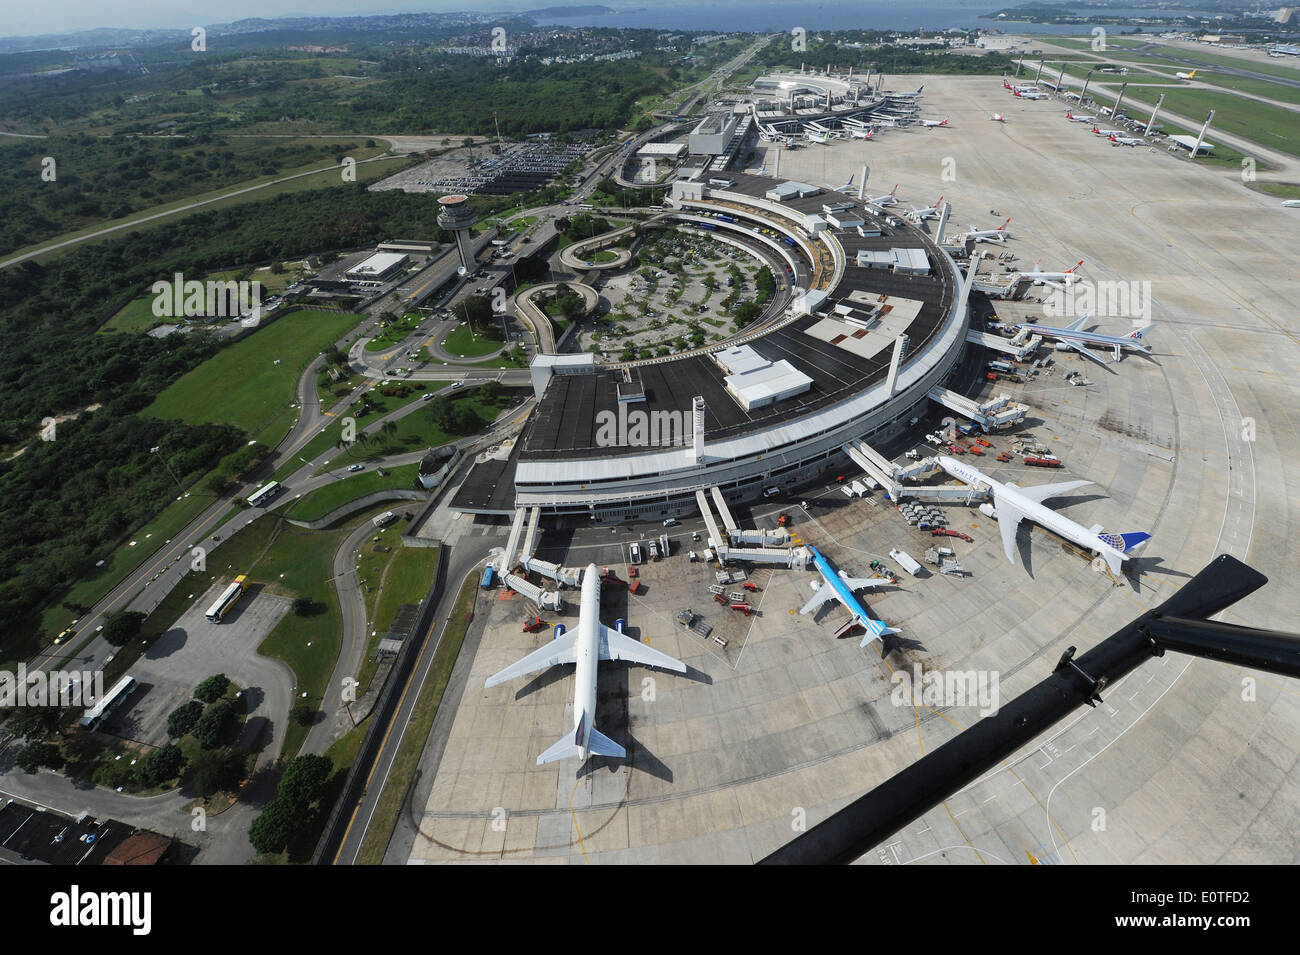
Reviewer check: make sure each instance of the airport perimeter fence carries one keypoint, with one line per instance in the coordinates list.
(381, 716)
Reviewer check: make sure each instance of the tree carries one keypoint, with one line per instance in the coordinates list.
(214, 725)
(306, 607)
(183, 718)
(213, 688)
(122, 627)
(215, 771)
(162, 764)
(491, 392)
(277, 824)
(302, 713)
(36, 755)
(304, 780)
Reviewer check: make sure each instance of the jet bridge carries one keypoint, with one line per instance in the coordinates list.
(992, 415)
(530, 539)
(716, 539)
(508, 561)
(1018, 350)
(884, 472)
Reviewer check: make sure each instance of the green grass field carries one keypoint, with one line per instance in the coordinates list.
(1271, 126)
(461, 341)
(395, 333)
(242, 385)
(323, 500)
(415, 432)
(422, 715)
(329, 436)
(137, 315)
(399, 575)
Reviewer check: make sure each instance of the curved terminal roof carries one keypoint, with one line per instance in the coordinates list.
(843, 349)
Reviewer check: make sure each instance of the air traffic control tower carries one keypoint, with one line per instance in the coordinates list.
(457, 217)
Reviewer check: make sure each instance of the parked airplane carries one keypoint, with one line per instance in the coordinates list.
(929, 212)
(1012, 504)
(1068, 277)
(823, 139)
(1073, 337)
(907, 95)
(840, 586)
(1019, 89)
(586, 646)
(1081, 119)
(1107, 132)
(1127, 140)
(935, 122)
(847, 187)
(1033, 94)
(1186, 76)
(862, 133)
(990, 235)
(1291, 203)
(998, 118)
(891, 197)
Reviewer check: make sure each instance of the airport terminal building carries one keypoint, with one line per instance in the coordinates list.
(881, 320)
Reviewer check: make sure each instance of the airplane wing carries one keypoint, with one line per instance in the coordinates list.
(823, 593)
(1087, 352)
(1008, 520)
(552, 653)
(862, 583)
(616, 646)
(1041, 492)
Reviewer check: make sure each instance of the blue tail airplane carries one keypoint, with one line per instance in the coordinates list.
(840, 586)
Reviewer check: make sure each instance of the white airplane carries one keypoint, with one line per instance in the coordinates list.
(847, 187)
(1072, 336)
(1186, 76)
(862, 133)
(1033, 94)
(890, 198)
(935, 122)
(929, 212)
(998, 118)
(1107, 132)
(1068, 277)
(1017, 90)
(586, 646)
(1080, 119)
(1291, 203)
(840, 586)
(1012, 504)
(1126, 140)
(907, 95)
(822, 139)
(990, 235)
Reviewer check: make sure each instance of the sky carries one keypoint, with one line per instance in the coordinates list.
(68, 16)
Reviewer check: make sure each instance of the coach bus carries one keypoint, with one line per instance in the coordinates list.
(229, 597)
(111, 700)
(264, 494)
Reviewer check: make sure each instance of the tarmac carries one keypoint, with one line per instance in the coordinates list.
(1186, 761)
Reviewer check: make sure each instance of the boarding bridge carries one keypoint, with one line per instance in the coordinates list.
(945, 210)
(564, 576)
(779, 537)
(542, 599)
(724, 512)
(992, 415)
(530, 539)
(885, 472)
(716, 539)
(792, 558)
(508, 561)
(1010, 346)
(952, 493)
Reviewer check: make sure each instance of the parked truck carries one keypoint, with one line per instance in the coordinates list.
(904, 560)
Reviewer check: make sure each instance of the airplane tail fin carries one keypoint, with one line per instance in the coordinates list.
(1076, 267)
(570, 747)
(1122, 545)
(1141, 333)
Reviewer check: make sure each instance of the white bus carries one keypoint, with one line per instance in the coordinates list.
(264, 494)
(111, 700)
(229, 597)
